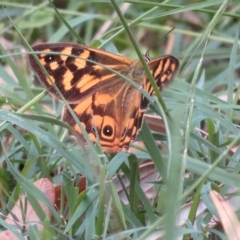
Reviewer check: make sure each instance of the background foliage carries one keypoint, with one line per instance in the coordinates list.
(199, 150)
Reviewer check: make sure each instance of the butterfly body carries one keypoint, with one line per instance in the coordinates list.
(109, 107)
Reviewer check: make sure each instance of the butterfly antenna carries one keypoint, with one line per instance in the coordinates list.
(147, 53)
(166, 34)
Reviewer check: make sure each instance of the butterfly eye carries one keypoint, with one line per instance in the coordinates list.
(108, 131)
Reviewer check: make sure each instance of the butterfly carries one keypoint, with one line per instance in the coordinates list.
(108, 107)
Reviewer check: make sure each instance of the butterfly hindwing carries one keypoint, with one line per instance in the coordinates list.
(105, 117)
(163, 70)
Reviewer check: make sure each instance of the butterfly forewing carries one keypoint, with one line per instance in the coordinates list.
(69, 69)
(107, 106)
(163, 70)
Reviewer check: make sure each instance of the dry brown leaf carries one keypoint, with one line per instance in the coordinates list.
(155, 123)
(148, 175)
(7, 235)
(227, 216)
(47, 188)
(58, 190)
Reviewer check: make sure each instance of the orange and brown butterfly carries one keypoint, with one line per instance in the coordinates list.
(101, 99)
